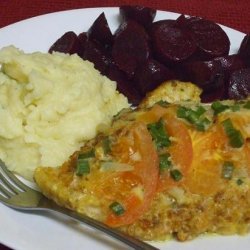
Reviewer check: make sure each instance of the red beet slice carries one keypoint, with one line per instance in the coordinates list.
(140, 14)
(230, 63)
(67, 43)
(95, 53)
(155, 25)
(100, 30)
(244, 50)
(206, 74)
(239, 84)
(171, 44)
(215, 94)
(124, 86)
(183, 21)
(82, 37)
(210, 38)
(130, 47)
(151, 74)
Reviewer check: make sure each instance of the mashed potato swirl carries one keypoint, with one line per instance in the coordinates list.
(50, 104)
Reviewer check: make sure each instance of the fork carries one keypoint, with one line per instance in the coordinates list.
(17, 195)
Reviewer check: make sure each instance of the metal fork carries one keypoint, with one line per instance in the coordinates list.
(17, 195)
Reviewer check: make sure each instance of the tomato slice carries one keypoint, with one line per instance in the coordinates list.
(136, 141)
(204, 176)
(181, 150)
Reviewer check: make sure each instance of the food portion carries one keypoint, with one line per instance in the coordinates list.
(189, 49)
(171, 166)
(50, 104)
(163, 170)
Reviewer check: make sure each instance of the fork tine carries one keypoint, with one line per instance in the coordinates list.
(9, 186)
(13, 178)
(5, 191)
(3, 199)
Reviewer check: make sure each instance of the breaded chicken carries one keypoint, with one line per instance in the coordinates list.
(163, 170)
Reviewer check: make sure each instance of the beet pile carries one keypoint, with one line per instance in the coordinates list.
(141, 54)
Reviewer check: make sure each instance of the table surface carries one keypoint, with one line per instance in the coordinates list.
(232, 13)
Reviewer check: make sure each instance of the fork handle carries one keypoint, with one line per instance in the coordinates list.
(125, 238)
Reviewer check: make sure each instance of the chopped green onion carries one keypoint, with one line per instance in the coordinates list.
(176, 175)
(236, 139)
(162, 103)
(117, 208)
(87, 154)
(240, 182)
(202, 124)
(247, 105)
(218, 107)
(227, 170)
(182, 112)
(82, 167)
(165, 162)
(106, 145)
(159, 134)
(194, 117)
(235, 107)
(200, 110)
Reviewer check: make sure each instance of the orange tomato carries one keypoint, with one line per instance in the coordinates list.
(134, 140)
(180, 150)
(204, 176)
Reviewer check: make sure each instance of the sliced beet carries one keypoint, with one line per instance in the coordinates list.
(124, 85)
(239, 84)
(82, 37)
(151, 74)
(208, 75)
(130, 47)
(183, 21)
(244, 50)
(210, 38)
(140, 14)
(96, 53)
(216, 94)
(230, 63)
(100, 30)
(67, 43)
(171, 45)
(155, 25)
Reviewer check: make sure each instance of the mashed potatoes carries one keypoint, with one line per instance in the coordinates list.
(49, 105)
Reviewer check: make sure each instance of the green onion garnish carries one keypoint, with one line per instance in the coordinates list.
(194, 117)
(162, 103)
(240, 182)
(200, 110)
(202, 124)
(159, 134)
(236, 139)
(247, 105)
(176, 174)
(106, 145)
(218, 107)
(165, 162)
(182, 112)
(117, 208)
(82, 167)
(87, 154)
(235, 107)
(227, 170)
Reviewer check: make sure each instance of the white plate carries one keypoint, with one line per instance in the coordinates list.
(25, 231)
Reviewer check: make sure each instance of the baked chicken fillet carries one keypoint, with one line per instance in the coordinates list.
(162, 170)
